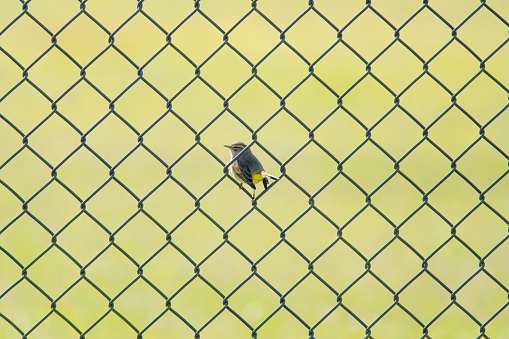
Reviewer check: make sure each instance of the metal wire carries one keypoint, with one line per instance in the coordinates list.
(168, 301)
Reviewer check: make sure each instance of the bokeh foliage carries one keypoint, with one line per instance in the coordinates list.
(386, 121)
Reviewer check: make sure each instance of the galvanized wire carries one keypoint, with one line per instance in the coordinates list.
(341, 172)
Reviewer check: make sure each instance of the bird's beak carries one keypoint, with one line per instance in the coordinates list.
(227, 146)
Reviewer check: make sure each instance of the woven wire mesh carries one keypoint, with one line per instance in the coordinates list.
(385, 121)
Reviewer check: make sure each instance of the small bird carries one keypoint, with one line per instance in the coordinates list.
(247, 168)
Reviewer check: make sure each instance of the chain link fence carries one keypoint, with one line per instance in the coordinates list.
(385, 121)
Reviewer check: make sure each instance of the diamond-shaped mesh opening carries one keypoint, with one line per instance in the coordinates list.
(385, 123)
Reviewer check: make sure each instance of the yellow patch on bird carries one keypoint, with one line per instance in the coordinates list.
(257, 177)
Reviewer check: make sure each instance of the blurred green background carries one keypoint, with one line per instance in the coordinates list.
(82, 130)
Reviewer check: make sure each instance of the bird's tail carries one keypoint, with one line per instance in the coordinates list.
(270, 176)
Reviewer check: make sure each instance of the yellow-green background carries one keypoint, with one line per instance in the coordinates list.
(140, 39)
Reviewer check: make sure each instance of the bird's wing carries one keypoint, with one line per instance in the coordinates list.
(245, 175)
